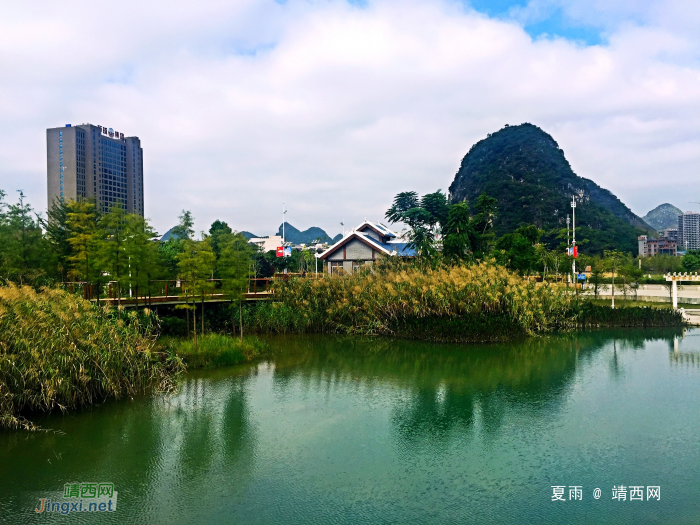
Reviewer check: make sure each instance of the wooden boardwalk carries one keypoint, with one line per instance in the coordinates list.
(178, 299)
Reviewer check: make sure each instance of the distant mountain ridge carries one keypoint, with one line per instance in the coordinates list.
(308, 236)
(291, 233)
(526, 171)
(663, 216)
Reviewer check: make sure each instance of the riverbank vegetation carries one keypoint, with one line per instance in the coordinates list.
(213, 350)
(480, 301)
(58, 351)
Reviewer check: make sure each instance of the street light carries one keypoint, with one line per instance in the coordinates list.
(284, 211)
(573, 234)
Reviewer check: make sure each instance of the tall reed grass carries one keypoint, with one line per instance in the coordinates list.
(58, 351)
(481, 301)
(477, 302)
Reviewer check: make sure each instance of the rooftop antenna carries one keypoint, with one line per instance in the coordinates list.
(343, 225)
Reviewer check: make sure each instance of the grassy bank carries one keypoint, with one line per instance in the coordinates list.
(213, 350)
(58, 351)
(478, 302)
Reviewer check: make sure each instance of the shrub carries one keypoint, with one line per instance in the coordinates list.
(60, 351)
(475, 302)
(481, 301)
(214, 350)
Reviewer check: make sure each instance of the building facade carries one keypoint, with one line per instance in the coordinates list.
(266, 244)
(689, 231)
(94, 162)
(670, 234)
(650, 247)
(362, 247)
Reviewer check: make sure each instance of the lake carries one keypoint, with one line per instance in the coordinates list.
(364, 430)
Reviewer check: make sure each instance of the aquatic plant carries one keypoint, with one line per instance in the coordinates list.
(58, 351)
(213, 350)
(589, 314)
(482, 301)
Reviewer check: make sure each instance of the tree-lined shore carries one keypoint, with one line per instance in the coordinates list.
(61, 351)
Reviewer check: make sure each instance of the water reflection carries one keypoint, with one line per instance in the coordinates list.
(685, 349)
(155, 450)
(328, 421)
(449, 388)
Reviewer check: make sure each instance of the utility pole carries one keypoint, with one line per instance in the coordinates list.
(573, 234)
(568, 245)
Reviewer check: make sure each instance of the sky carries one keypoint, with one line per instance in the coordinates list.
(334, 106)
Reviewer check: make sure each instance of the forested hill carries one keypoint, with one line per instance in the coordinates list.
(663, 216)
(526, 171)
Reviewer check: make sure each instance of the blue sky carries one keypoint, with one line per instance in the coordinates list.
(553, 22)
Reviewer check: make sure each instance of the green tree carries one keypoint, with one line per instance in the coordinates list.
(196, 264)
(518, 250)
(307, 261)
(630, 274)
(691, 261)
(56, 234)
(82, 237)
(596, 276)
(184, 230)
(428, 219)
(234, 266)
(421, 222)
(217, 231)
(111, 248)
(170, 249)
(22, 244)
(556, 259)
(141, 251)
(456, 233)
(614, 260)
(661, 264)
(482, 225)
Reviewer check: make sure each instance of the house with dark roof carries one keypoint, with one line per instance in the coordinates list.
(364, 245)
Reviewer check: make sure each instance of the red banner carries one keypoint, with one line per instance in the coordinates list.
(280, 251)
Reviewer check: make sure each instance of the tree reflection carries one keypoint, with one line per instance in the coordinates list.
(449, 388)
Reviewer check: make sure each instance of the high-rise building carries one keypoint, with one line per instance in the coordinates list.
(94, 162)
(689, 231)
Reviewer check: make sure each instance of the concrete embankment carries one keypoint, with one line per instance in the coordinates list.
(655, 293)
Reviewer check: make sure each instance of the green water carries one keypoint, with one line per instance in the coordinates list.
(343, 430)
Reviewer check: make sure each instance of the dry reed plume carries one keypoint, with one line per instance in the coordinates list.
(481, 301)
(59, 351)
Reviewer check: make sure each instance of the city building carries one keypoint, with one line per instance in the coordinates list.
(94, 162)
(266, 244)
(362, 246)
(650, 247)
(689, 231)
(670, 234)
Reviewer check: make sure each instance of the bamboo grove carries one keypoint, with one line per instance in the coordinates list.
(58, 351)
(114, 252)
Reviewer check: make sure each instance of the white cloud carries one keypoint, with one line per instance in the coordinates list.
(334, 109)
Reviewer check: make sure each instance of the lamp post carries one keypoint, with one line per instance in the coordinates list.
(568, 244)
(573, 233)
(284, 211)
